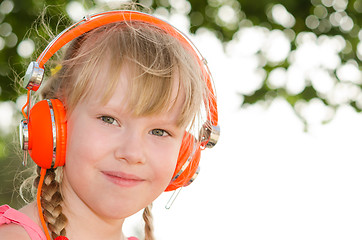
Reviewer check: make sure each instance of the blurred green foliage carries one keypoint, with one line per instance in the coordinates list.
(17, 19)
(325, 18)
(10, 166)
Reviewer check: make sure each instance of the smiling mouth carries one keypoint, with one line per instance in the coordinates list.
(122, 179)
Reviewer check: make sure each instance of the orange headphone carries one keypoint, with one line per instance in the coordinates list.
(43, 132)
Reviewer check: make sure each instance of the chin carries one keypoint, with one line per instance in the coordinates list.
(120, 210)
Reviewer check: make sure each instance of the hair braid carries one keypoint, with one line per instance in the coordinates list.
(51, 200)
(148, 218)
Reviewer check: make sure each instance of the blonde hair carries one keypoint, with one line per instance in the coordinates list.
(159, 61)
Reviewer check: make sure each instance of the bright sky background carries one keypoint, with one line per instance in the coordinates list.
(267, 178)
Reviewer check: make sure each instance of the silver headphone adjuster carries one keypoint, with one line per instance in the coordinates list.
(33, 76)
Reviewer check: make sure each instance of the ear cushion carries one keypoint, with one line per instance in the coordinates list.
(187, 162)
(61, 128)
(41, 134)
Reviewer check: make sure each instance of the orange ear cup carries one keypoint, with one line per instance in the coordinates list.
(47, 126)
(187, 163)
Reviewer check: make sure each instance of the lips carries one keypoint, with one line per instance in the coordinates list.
(122, 179)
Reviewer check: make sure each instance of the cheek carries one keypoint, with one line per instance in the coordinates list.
(74, 159)
(81, 149)
(81, 157)
(165, 164)
(76, 141)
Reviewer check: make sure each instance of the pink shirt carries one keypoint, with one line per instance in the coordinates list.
(10, 215)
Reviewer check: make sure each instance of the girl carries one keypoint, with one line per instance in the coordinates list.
(118, 115)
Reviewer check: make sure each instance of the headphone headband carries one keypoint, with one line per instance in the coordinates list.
(96, 20)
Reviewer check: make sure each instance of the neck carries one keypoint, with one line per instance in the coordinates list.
(86, 224)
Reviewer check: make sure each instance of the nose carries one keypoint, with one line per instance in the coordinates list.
(130, 149)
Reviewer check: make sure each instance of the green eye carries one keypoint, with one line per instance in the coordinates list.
(159, 132)
(108, 119)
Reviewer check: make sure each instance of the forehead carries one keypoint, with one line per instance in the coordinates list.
(128, 90)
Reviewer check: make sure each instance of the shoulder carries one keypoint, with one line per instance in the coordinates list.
(13, 231)
(19, 224)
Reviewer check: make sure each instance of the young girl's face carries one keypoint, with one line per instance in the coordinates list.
(118, 163)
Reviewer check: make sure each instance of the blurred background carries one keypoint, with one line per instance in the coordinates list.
(288, 78)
